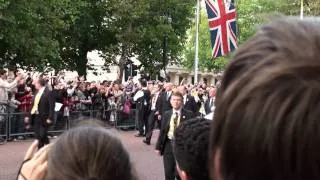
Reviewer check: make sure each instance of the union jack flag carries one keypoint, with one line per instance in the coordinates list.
(223, 28)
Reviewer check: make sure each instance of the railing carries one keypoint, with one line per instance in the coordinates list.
(12, 123)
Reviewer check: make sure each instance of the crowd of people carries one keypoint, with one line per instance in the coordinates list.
(111, 100)
(265, 122)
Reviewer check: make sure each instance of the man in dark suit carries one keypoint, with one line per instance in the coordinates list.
(209, 104)
(142, 98)
(164, 101)
(154, 113)
(42, 112)
(188, 101)
(170, 122)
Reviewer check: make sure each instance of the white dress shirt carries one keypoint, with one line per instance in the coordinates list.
(5, 87)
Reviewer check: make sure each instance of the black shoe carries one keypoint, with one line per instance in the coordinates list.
(139, 135)
(146, 142)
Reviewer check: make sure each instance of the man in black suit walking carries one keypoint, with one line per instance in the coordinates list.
(188, 101)
(42, 112)
(170, 122)
(154, 113)
(142, 98)
(164, 101)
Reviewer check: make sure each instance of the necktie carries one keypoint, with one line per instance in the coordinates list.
(175, 120)
(154, 99)
(154, 102)
(36, 103)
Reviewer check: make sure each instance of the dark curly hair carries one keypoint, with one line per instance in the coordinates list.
(191, 139)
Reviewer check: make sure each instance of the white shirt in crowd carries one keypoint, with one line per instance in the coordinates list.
(5, 87)
(154, 101)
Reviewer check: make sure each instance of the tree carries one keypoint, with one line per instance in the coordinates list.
(54, 34)
(205, 50)
(27, 33)
(292, 7)
(91, 29)
(142, 26)
(250, 15)
(127, 20)
(253, 13)
(165, 21)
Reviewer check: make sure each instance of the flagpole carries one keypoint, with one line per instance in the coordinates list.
(235, 4)
(301, 10)
(196, 60)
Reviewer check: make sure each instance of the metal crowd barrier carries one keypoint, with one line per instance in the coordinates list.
(12, 123)
(3, 125)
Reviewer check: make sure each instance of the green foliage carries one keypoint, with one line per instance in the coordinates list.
(205, 59)
(250, 15)
(292, 7)
(155, 27)
(27, 33)
(126, 23)
(56, 34)
(90, 29)
(141, 28)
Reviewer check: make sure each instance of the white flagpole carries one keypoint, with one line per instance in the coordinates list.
(301, 10)
(196, 60)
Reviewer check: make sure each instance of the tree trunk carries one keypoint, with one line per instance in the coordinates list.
(121, 73)
(82, 65)
(122, 62)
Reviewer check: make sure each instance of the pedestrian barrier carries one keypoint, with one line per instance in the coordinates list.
(12, 125)
(3, 125)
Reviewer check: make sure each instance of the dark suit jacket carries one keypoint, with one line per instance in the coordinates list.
(207, 106)
(145, 98)
(46, 106)
(158, 103)
(191, 105)
(165, 126)
(164, 104)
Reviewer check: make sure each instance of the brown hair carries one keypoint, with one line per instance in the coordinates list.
(90, 152)
(177, 94)
(279, 40)
(266, 118)
(42, 81)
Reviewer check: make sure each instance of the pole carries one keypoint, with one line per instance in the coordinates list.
(301, 9)
(196, 59)
(235, 4)
(165, 60)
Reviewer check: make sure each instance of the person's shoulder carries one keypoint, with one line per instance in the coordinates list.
(190, 97)
(168, 112)
(186, 112)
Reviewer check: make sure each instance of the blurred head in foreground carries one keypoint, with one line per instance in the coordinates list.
(266, 123)
(89, 153)
(190, 148)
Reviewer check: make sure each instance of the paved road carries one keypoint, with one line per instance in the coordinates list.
(148, 164)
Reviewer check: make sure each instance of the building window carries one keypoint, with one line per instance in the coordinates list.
(192, 80)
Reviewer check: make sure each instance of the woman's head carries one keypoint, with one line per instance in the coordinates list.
(89, 153)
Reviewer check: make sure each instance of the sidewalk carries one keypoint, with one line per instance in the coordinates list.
(148, 165)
